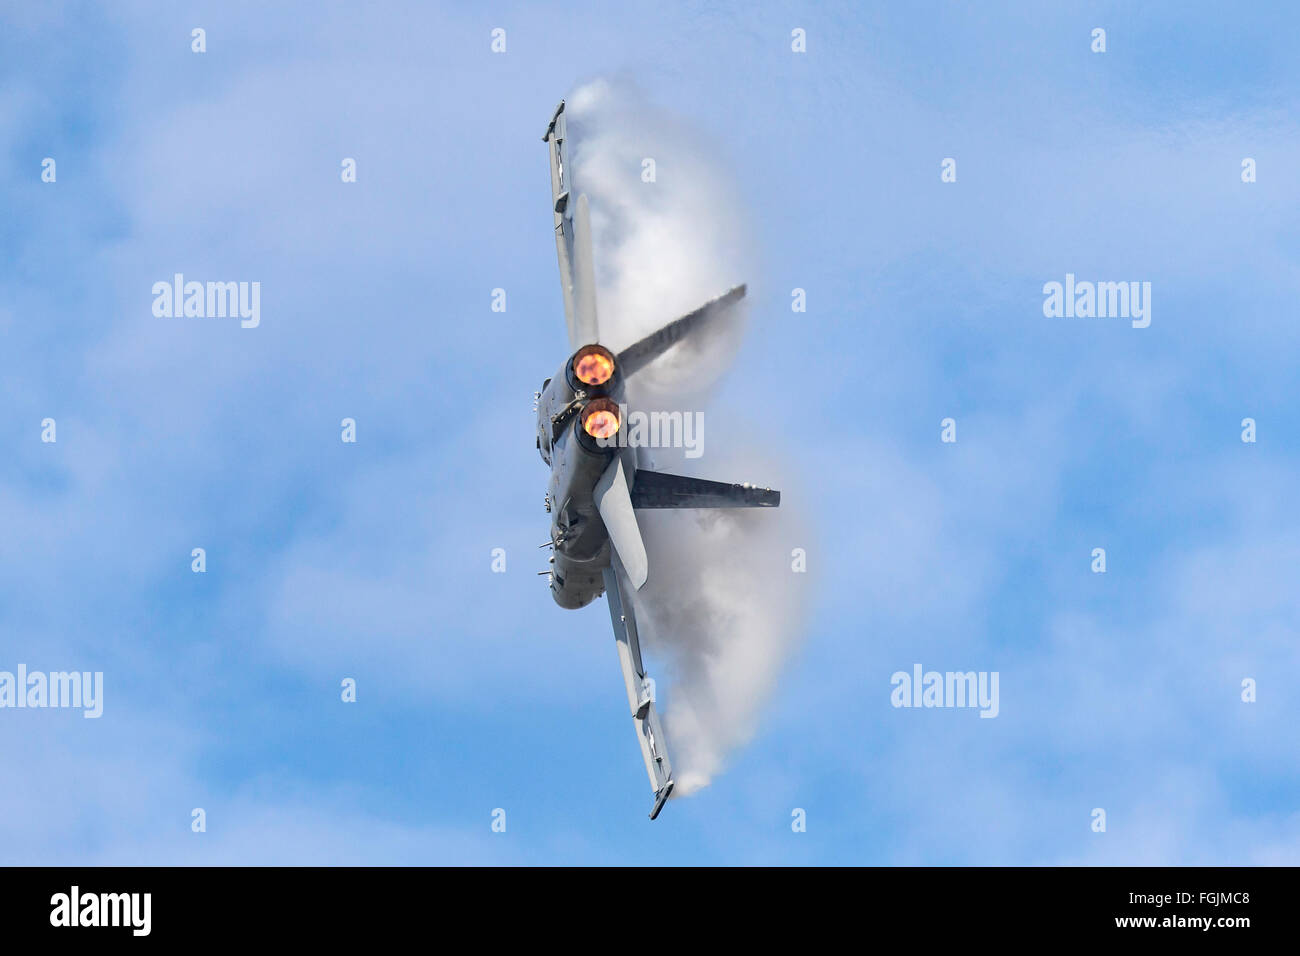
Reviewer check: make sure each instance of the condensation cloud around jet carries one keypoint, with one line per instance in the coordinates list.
(723, 607)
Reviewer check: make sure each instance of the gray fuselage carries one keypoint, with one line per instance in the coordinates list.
(577, 461)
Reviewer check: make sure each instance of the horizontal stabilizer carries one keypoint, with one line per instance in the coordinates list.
(638, 356)
(654, 489)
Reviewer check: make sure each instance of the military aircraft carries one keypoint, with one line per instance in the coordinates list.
(596, 487)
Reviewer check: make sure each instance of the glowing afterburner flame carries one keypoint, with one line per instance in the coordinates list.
(593, 365)
(600, 419)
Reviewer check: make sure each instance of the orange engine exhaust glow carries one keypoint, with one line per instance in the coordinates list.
(600, 419)
(593, 365)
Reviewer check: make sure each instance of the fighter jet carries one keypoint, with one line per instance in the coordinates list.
(596, 487)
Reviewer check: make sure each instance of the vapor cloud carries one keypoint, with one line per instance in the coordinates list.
(664, 247)
(722, 608)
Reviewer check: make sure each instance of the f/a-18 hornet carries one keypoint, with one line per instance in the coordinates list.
(596, 486)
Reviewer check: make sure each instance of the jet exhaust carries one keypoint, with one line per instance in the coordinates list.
(593, 365)
(600, 418)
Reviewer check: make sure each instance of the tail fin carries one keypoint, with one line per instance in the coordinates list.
(653, 489)
(641, 354)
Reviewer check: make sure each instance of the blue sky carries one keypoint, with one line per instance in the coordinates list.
(326, 560)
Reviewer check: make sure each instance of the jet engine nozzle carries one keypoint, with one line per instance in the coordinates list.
(600, 418)
(593, 365)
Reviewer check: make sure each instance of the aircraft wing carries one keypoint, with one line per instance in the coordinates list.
(572, 237)
(640, 688)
